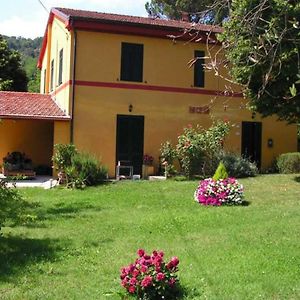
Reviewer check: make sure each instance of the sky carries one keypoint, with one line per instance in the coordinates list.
(28, 18)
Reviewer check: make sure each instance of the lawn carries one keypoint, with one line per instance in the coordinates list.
(76, 241)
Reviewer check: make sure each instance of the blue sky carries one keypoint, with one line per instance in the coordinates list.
(28, 18)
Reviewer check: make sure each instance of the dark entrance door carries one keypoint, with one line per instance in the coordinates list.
(251, 141)
(130, 141)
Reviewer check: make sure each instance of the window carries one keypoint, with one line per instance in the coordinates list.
(199, 69)
(60, 66)
(132, 57)
(52, 75)
(44, 88)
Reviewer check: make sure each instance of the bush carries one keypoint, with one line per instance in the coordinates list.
(238, 166)
(85, 170)
(221, 172)
(149, 277)
(11, 204)
(197, 149)
(168, 155)
(289, 163)
(63, 154)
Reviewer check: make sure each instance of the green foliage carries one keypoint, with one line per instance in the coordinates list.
(85, 170)
(262, 43)
(81, 169)
(289, 163)
(12, 74)
(29, 50)
(238, 166)
(62, 157)
(197, 10)
(221, 172)
(197, 148)
(11, 204)
(168, 155)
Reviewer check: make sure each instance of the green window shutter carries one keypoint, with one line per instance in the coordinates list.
(199, 68)
(60, 68)
(132, 57)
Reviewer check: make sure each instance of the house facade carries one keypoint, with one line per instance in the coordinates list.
(125, 86)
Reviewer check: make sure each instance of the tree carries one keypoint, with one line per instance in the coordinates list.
(12, 75)
(262, 41)
(205, 11)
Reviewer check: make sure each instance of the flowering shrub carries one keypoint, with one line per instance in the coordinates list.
(150, 277)
(147, 159)
(218, 192)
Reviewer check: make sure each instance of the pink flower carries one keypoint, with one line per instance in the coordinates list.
(147, 281)
(133, 281)
(160, 276)
(175, 261)
(161, 253)
(135, 273)
(141, 252)
(131, 289)
(144, 269)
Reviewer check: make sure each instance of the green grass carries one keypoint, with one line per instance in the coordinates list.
(76, 244)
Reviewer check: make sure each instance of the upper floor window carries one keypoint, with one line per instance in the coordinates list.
(199, 68)
(52, 75)
(60, 66)
(132, 57)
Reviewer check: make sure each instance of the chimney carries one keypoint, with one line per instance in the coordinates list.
(185, 16)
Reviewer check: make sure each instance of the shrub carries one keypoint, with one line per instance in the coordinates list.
(219, 192)
(198, 148)
(289, 163)
(167, 156)
(238, 166)
(63, 154)
(149, 277)
(85, 170)
(11, 204)
(221, 172)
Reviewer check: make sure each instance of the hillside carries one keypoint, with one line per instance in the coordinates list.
(29, 50)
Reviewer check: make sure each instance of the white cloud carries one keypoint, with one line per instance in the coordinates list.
(17, 26)
(33, 23)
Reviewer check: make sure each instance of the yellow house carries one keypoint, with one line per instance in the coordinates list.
(126, 87)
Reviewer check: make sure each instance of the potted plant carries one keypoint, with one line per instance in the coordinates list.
(148, 168)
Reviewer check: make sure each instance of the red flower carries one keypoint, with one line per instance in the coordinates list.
(141, 252)
(131, 289)
(175, 261)
(160, 276)
(133, 281)
(147, 281)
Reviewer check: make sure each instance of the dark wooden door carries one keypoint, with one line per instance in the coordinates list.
(130, 141)
(251, 141)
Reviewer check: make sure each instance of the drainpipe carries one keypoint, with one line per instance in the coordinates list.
(73, 87)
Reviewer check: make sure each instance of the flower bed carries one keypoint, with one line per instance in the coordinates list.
(150, 277)
(219, 192)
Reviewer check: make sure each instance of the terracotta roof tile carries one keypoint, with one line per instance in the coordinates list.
(22, 105)
(83, 15)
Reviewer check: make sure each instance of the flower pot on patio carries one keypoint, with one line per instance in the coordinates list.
(147, 171)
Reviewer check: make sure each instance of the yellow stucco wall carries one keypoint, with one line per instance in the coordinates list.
(33, 137)
(166, 113)
(58, 38)
(61, 132)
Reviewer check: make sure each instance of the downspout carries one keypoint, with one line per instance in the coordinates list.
(73, 87)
